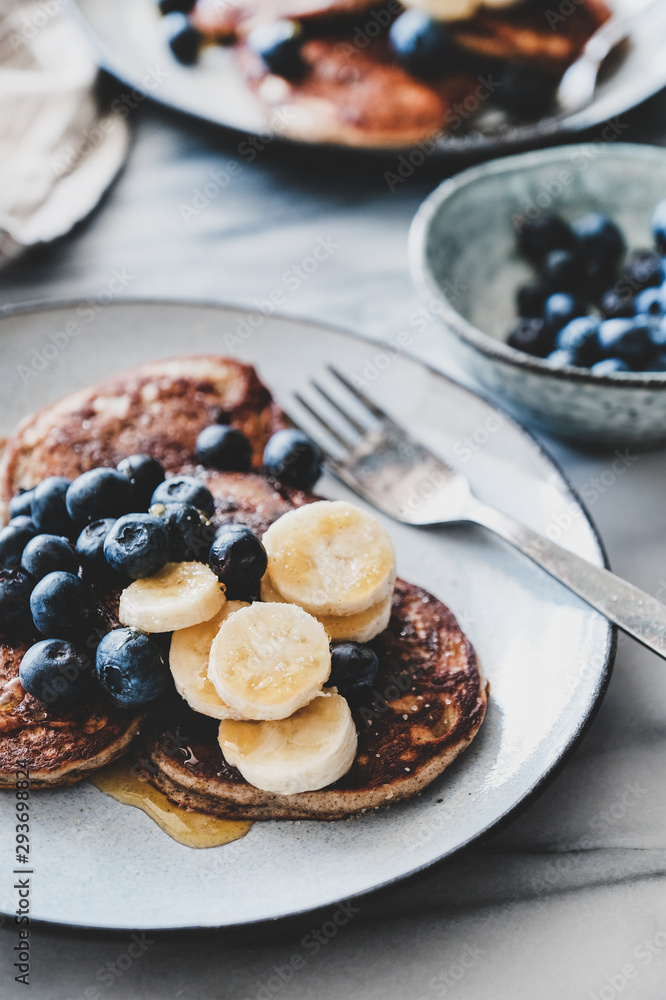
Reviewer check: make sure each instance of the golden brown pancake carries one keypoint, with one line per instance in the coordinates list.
(428, 703)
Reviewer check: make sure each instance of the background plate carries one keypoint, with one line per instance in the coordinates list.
(101, 864)
(130, 41)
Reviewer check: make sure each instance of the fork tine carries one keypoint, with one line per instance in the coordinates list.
(359, 428)
(362, 398)
(331, 460)
(324, 423)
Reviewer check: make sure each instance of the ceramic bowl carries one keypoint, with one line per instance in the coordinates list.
(465, 264)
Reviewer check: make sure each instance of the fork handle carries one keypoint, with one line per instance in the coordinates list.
(634, 611)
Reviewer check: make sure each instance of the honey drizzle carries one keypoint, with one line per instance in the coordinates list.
(193, 829)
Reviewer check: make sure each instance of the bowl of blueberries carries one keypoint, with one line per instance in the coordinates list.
(547, 271)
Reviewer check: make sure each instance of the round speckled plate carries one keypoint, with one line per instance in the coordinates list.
(98, 863)
(130, 42)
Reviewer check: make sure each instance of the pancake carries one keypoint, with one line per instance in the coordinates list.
(429, 703)
(355, 96)
(223, 21)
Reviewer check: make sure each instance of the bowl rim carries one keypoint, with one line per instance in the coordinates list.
(430, 290)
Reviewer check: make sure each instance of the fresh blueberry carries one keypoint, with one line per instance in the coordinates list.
(13, 540)
(651, 302)
(190, 532)
(130, 667)
(278, 45)
(580, 338)
(47, 554)
(614, 304)
(538, 236)
(21, 504)
(561, 271)
(354, 669)
(15, 590)
(49, 510)
(610, 366)
(644, 269)
(531, 298)
(64, 607)
(657, 362)
(183, 38)
(98, 493)
(601, 246)
(137, 545)
(526, 92)
(176, 6)
(423, 44)
(238, 559)
(23, 521)
(56, 672)
(627, 339)
(293, 459)
(90, 550)
(561, 359)
(145, 474)
(224, 448)
(531, 336)
(659, 226)
(185, 489)
(560, 309)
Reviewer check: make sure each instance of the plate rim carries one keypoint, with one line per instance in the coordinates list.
(51, 304)
(528, 136)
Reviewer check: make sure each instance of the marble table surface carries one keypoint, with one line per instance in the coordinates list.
(534, 911)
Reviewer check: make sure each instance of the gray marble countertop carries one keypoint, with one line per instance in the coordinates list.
(530, 913)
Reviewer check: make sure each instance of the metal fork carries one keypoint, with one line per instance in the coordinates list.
(398, 475)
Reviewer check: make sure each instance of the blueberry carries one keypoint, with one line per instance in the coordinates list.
(64, 607)
(615, 304)
(98, 493)
(49, 511)
(190, 532)
(644, 269)
(627, 339)
(657, 362)
(238, 559)
(183, 38)
(90, 550)
(601, 245)
(293, 459)
(561, 359)
(56, 672)
(224, 448)
(560, 309)
(278, 45)
(580, 338)
(176, 6)
(13, 540)
(354, 668)
(423, 44)
(610, 366)
(145, 474)
(21, 504)
(23, 521)
(137, 545)
(185, 489)
(47, 554)
(651, 302)
(561, 271)
(659, 226)
(531, 298)
(531, 336)
(526, 92)
(15, 590)
(130, 667)
(548, 231)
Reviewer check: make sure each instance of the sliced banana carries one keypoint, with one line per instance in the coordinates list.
(331, 558)
(269, 660)
(188, 660)
(310, 750)
(354, 628)
(180, 595)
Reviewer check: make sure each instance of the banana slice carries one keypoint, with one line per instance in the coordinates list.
(269, 660)
(331, 558)
(180, 595)
(188, 660)
(310, 750)
(353, 628)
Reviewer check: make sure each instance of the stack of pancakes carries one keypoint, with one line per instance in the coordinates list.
(429, 698)
(354, 91)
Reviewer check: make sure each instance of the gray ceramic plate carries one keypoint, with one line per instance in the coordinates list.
(130, 43)
(102, 864)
